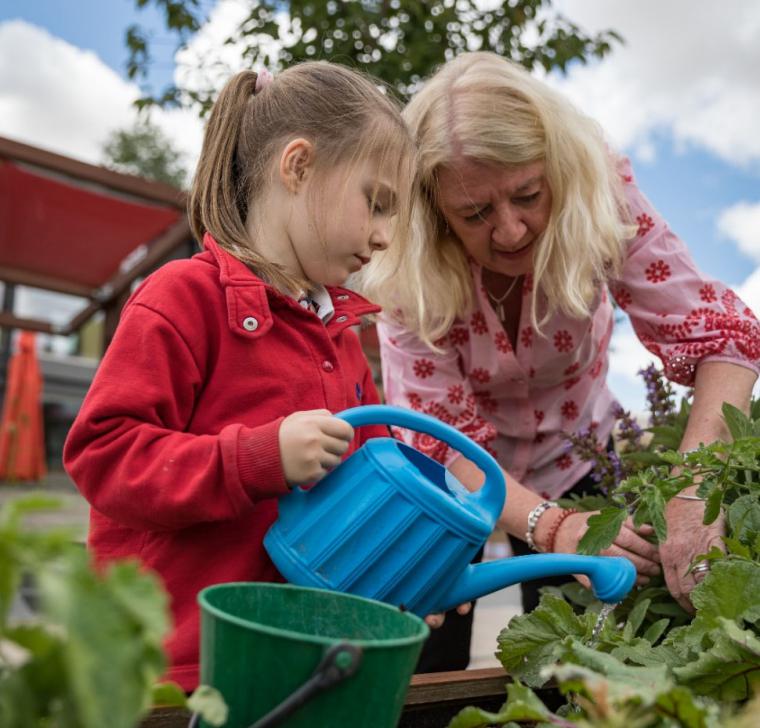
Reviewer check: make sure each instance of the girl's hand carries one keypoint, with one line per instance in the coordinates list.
(435, 621)
(311, 444)
(687, 538)
(628, 543)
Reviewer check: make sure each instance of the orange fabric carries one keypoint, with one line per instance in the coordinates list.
(22, 451)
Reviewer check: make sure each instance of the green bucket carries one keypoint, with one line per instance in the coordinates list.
(260, 643)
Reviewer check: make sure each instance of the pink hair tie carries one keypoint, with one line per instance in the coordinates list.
(263, 79)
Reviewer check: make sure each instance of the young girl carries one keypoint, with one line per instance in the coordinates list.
(215, 396)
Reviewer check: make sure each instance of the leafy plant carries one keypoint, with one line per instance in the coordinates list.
(91, 656)
(399, 41)
(653, 665)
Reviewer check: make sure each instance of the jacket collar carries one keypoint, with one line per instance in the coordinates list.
(250, 299)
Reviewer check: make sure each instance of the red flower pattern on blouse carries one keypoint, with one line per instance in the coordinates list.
(459, 335)
(478, 323)
(623, 297)
(423, 368)
(564, 462)
(526, 337)
(539, 415)
(455, 394)
(572, 369)
(707, 293)
(563, 341)
(569, 410)
(486, 402)
(479, 374)
(645, 224)
(658, 271)
(502, 342)
(570, 383)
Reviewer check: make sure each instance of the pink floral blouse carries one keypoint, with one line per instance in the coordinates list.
(517, 402)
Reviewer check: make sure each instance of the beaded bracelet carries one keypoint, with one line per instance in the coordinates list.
(555, 527)
(533, 517)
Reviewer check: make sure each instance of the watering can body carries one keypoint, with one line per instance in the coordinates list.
(392, 524)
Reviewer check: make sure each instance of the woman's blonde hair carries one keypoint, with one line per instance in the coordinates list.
(342, 112)
(484, 107)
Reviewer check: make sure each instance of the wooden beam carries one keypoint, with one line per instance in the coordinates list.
(430, 697)
(10, 321)
(131, 184)
(47, 283)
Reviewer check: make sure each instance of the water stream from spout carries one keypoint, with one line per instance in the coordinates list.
(604, 612)
(601, 618)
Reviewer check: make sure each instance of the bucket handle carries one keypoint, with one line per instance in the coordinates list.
(339, 662)
(490, 497)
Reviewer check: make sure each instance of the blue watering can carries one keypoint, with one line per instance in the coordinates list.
(394, 525)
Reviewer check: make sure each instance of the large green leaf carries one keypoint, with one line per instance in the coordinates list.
(603, 527)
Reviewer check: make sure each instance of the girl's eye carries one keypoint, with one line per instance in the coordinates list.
(375, 207)
(479, 215)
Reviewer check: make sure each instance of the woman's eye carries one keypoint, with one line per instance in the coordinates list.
(527, 199)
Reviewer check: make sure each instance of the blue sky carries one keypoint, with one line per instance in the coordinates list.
(685, 113)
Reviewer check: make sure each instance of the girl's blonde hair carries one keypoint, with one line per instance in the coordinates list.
(484, 107)
(342, 112)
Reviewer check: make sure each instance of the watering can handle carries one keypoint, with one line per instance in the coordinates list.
(490, 497)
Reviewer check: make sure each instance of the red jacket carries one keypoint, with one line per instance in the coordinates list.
(176, 445)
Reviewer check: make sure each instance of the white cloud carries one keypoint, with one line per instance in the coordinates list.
(687, 68)
(64, 99)
(741, 223)
(749, 292)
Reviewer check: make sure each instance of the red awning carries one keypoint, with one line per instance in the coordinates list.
(59, 230)
(70, 227)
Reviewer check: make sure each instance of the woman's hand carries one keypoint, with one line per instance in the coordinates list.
(311, 444)
(629, 543)
(687, 538)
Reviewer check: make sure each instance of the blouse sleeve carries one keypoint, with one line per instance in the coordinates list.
(679, 314)
(416, 377)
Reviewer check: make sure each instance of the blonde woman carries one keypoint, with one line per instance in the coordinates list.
(498, 318)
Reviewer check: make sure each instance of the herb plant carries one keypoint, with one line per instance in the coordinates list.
(654, 665)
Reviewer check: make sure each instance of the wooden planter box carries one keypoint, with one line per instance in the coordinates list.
(433, 699)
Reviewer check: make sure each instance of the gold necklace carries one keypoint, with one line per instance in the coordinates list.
(499, 302)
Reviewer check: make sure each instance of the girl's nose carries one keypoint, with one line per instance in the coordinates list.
(380, 237)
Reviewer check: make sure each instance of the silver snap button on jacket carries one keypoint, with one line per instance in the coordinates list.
(250, 323)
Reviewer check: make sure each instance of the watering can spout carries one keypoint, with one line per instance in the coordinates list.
(612, 577)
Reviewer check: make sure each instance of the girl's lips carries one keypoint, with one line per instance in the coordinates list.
(511, 254)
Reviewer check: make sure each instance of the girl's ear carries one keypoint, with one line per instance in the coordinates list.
(296, 163)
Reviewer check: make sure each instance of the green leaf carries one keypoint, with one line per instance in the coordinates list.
(209, 703)
(744, 517)
(656, 630)
(603, 527)
(729, 670)
(532, 641)
(738, 423)
(168, 695)
(636, 617)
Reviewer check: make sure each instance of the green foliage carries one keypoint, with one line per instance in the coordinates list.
(144, 150)
(399, 41)
(653, 665)
(92, 655)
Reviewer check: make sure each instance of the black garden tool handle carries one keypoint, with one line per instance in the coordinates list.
(339, 662)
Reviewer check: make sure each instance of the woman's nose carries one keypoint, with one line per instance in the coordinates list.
(508, 229)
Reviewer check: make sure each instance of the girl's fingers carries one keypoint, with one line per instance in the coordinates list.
(464, 608)
(334, 446)
(434, 621)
